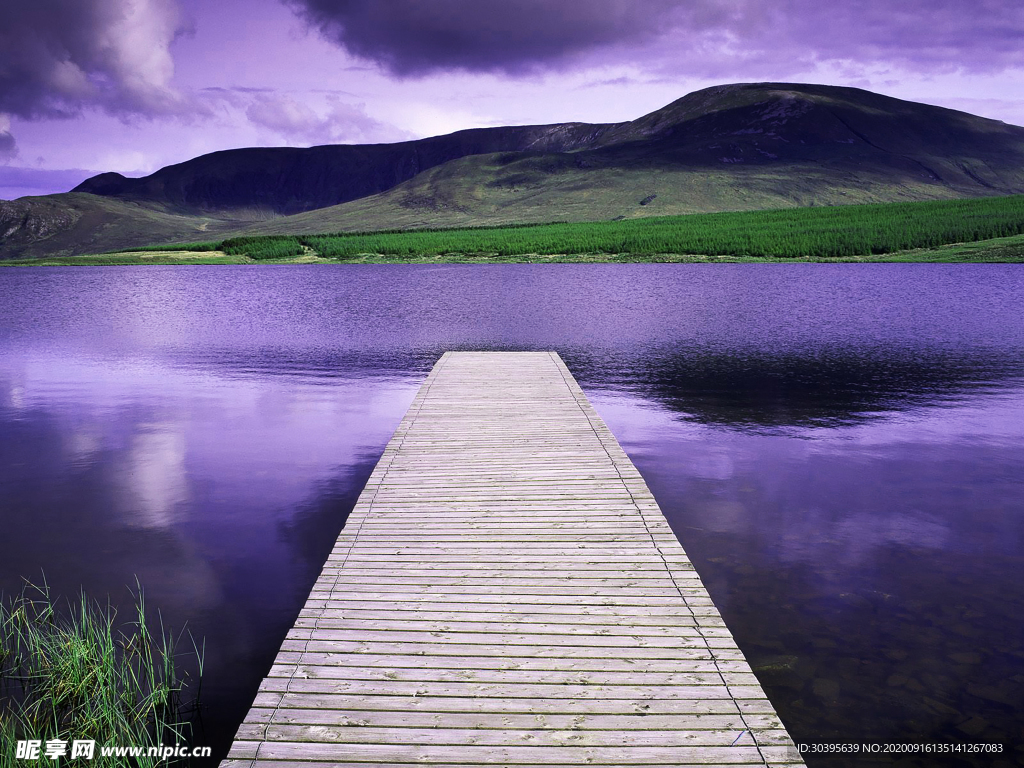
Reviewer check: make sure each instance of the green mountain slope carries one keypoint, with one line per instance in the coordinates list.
(734, 147)
(280, 181)
(488, 190)
(74, 223)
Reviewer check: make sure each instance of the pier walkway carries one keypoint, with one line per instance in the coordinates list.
(506, 592)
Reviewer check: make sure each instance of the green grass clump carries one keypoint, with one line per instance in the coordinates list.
(817, 232)
(75, 674)
(262, 247)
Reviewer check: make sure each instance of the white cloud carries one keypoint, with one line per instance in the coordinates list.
(337, 121)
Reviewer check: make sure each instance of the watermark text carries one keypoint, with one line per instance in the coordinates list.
(87, 749)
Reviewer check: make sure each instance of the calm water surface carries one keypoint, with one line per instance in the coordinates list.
(840, 449)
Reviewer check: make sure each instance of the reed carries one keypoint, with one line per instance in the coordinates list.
(73, 671)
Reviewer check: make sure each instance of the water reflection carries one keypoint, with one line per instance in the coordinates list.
(153, 474)
(839, 450)
(222, 495)
(871, 572)
(825, 387)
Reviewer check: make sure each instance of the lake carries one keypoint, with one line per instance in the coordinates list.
(839, 448)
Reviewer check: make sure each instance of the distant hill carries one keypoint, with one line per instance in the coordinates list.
(282, 181)
(75, 223)
(731, 147)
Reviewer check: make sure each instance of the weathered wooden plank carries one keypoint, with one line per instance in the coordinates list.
(509, 597)
(325, 621)
(677, 708)
(581, 722)
(569, 560)
(507, 592)
(357, 733)
(695, 640)
(580, 611)
(419, 624)
(397, 661)
(417, 754)
(510, 690)
(299, 640)
(711, 676)
(582, 572)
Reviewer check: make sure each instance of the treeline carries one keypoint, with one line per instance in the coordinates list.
(259, 247)
(193, 247)
(832, 232)
(795, 232)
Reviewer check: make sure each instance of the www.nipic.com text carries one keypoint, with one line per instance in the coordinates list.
(86, 749)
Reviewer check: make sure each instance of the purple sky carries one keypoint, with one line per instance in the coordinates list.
(133, 85)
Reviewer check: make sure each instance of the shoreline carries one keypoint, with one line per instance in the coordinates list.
(1003, 250)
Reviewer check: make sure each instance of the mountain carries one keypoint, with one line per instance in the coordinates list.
(282, 181)
(731, 147)
(73, 223)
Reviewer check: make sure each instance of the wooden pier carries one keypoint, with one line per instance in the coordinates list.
(506, 592)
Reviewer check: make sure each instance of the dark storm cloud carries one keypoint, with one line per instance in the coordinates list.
(58, 56)
(8, 146)
(412, 37)
(925, 35)
(705, 37)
